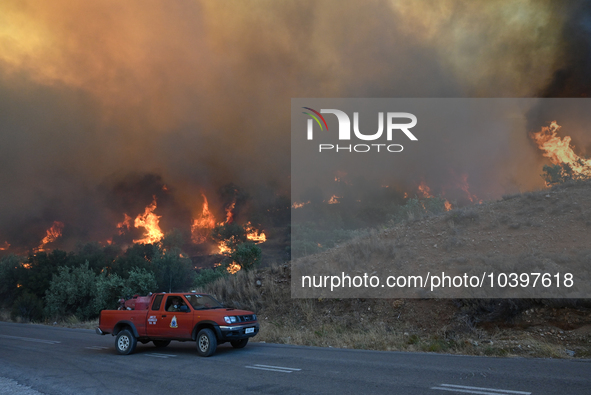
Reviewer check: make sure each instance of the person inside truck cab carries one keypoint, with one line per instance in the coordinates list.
(176, 304)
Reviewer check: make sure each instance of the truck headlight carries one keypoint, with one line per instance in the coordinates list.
(230, 320)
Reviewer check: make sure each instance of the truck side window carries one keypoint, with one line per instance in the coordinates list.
(157, 302)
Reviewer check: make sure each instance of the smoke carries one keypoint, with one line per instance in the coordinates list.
(196, 95)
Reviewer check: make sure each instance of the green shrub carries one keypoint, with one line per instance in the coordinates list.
(28, 307)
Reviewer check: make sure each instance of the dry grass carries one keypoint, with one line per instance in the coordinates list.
(388, 324)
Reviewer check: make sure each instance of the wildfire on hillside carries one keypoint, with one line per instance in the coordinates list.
(559, 150)
(149, 221)
(5, 246)
(52, 234)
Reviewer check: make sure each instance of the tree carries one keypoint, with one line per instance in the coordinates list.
(72, 291)
(173, 271)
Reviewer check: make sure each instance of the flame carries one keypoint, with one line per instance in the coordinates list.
(334, 200)
(5, 247)
(405, 195)
(559, 150)
(253, 235)
(19, 285)
(202, 225)
(124, 225)
(52, 235)
(149, 221)
(223, 248)
(425, 190)
(464, 186)
(233, 268)
(299, 205)
(27, 266)
(229, 214)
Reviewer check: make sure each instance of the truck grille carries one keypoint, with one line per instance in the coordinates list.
(245, 318)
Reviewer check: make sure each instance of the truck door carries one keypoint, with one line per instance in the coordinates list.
(174, 320)
(157, 318)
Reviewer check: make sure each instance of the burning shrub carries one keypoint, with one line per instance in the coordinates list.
(247, 255)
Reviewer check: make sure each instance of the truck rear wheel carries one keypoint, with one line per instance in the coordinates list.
(206, 342)
(125, 342)
(161, 343)
(239, 343)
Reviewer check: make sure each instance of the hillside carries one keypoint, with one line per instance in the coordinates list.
(550, 226)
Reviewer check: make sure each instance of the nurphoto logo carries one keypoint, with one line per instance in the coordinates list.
(392, 124)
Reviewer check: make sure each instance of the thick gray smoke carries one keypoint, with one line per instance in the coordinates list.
(103, 104)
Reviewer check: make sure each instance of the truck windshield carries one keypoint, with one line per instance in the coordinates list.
(201, 302)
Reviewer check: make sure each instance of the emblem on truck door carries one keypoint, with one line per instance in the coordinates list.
(152, 320)
(173, 323)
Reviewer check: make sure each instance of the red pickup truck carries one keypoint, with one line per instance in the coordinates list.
(187, 316)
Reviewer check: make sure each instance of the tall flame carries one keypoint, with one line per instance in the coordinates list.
(202, 225)
(52, 234)
(229, 214)
(559, 150)
(149, 221)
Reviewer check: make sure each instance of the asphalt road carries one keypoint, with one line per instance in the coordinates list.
(55, 360)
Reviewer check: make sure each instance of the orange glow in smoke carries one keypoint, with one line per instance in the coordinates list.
(202, 225)
(52, 235)
(299, 205)
(559, 150)
(149, 221)
(334, 200)
(5, 246)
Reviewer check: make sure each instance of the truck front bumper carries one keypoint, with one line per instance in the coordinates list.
(237, 332)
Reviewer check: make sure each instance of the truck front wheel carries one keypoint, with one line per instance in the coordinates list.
(125, 342)
(206, 342)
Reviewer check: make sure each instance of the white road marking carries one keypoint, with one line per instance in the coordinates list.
(96, 348)
(29, 339)
(477, 390)
(273, 368)
(155, 355)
